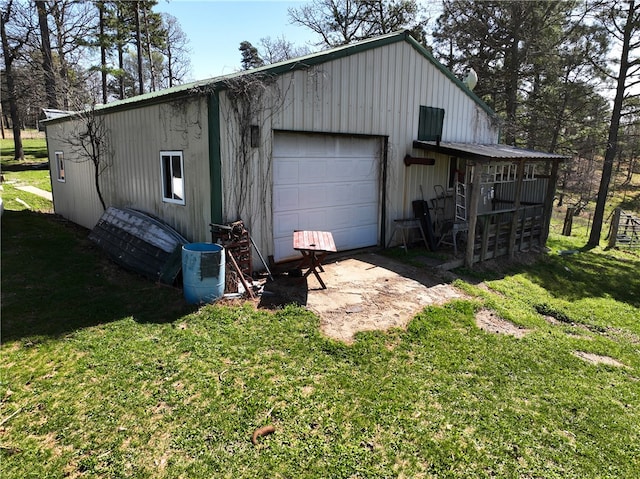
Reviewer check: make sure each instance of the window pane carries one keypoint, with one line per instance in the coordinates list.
(176, 167)
(166, 177)
(60, 165)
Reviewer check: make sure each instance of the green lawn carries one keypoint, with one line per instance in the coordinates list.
(103, 374)
(33, 172)
(35, 149)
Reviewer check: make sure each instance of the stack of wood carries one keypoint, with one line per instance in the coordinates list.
(235, 239)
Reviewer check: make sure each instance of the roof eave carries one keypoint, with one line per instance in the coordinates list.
(449, 149)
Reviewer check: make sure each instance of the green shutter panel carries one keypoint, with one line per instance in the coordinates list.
(430, 123)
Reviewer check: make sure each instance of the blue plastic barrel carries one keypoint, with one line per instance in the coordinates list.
(203, 272)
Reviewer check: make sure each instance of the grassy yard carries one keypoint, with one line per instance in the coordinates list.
(104, 374)
(31, 172)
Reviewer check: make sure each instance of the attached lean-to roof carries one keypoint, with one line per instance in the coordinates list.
(304, 62)
(48, 113)
(485, 152)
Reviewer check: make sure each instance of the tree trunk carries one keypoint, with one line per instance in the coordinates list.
(2, 121)
(147, 38)
(169, 63)
(63, 86)
(9, 56)
(139, 48)
(560, 114)
(120, 47)
(612, 142)
(512, 63)
(103, 53)
(534, 113)
(47, 59)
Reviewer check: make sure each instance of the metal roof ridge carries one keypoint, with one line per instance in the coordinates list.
(285, 66)
(273, 68)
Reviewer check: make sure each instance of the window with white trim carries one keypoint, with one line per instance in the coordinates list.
(60, 166)
(172, 166)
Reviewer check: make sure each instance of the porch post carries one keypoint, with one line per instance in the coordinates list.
(548, 202)
(473, 212)
(516, 204)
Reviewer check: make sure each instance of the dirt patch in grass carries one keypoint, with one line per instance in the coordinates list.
(489, 321)
(597, 359)
(364, 293)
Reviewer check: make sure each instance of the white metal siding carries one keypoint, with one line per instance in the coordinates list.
(376, 93)
(75, 199)
(373, 92)
(379, 93)
(133, 178)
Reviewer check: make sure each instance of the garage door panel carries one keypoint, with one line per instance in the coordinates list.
(297, 145)
(340, 195)
(342, 218)
(286, 199)
(349, 146)
(313, 171)
(324, 182)
(364, 215)
(350, 216)
(347, 168)
(283, 249)
(286, 171)
(358, 237)
(313, 220)
(355, 169)
(318, 146)
(362, 193)
(313, 197)
(285, 224)
(364, 169)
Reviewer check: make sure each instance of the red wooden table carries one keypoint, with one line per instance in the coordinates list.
(314, 246)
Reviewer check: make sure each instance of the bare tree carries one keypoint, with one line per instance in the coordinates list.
(340, 22)
(12, 44)
(279, 49)
(90, 142)
(73, 23)
(175, 51)
(622, 19)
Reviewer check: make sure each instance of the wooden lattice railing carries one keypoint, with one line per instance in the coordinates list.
(624, 231)
(495, 235)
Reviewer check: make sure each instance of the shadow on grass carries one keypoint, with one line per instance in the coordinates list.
(25, 165)
(585, 274)
(631, 201)
(54, 281)
(589, 274)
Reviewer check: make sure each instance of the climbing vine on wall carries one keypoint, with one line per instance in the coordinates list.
(252, 100)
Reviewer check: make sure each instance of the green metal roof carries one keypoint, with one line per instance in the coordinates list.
(299, 63)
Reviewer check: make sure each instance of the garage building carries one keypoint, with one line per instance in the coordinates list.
(318, 142)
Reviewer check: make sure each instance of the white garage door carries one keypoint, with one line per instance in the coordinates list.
(325, 183)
